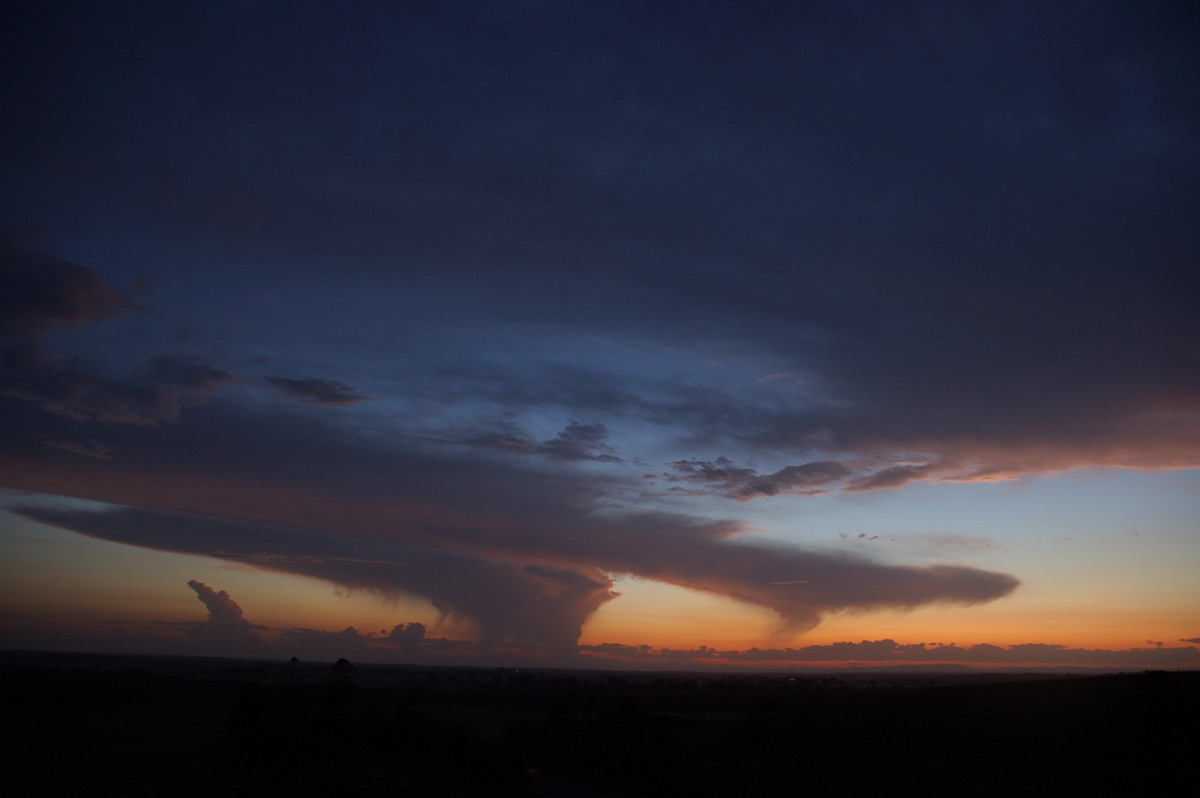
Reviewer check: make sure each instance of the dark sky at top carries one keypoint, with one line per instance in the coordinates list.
(485, 265)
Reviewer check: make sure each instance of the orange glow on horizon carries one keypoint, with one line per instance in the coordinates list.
(663, 616)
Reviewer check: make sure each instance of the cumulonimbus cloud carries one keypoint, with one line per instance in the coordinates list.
(226, 631)
(889, 330)
(524, 553)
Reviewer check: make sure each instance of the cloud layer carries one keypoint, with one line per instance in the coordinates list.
(494, 305)
(525, 567)
(523, 552)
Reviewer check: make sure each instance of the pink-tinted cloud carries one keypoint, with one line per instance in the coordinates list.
(524, 553)
(223, 611)
(961, 462)
(227, 632)
(935, 296)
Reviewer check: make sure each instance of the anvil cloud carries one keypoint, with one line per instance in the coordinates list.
(497, 305)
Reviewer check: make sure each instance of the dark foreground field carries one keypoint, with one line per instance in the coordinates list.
(104, 725)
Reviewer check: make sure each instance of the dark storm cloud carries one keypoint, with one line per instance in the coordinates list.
(524, 553)
(546, 605)
(985, 213)
(39, 292)
(70, 387)
(315, 391)
(507, 597)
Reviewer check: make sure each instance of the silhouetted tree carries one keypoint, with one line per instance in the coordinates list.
(342, 672)
(341, 683)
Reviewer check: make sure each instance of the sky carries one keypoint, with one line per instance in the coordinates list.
(602, 334)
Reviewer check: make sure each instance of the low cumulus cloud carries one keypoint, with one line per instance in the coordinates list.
(227, 632)
(315, 644)
(223, 611)
(406, 642)
(407, 637)
(889, 652)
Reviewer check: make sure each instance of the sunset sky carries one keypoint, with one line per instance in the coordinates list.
(602, 334)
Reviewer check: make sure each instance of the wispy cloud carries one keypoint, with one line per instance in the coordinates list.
(89, 448)
(575, 443)
(42, 293)
(724, 478)
(315, 391)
